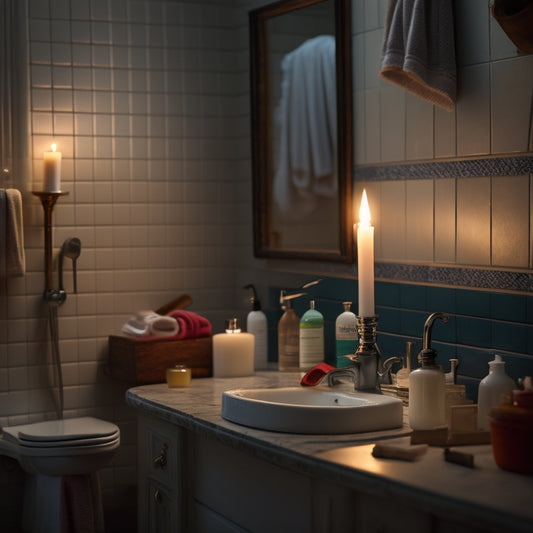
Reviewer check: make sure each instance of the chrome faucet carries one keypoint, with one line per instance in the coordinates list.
(366, 371)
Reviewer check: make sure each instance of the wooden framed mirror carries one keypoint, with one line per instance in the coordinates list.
(302, 130)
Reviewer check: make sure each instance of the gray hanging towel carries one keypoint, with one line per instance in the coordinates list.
(12, 258)
(419, 50)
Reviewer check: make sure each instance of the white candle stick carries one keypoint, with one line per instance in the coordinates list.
(52, 170)
(365, 260)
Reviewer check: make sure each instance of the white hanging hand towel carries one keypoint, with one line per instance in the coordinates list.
(419, 50)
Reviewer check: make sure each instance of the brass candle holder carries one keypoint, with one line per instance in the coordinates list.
(48, 200)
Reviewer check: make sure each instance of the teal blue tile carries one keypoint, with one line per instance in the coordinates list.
(474, 362)
(441, 299)
(413, 297)
(511, 307)
(389, 320)
(473, 303)
(336, 289)
(518, 366)
(529, 305)
(412, 323)
(445, 352)
(529, 334)
(509, 337)
(473, 331)
(387, 294)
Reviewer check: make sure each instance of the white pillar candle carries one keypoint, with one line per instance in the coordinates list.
(233, 352)
(52, 171)
(365, 260)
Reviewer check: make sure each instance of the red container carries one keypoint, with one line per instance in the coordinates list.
(512, 437)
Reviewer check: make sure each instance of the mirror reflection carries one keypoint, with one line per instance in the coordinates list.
(301, 172)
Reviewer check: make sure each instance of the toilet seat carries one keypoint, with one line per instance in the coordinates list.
(63, 433)
(61, 447)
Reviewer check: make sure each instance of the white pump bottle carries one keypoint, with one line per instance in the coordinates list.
(256, 323)
(427, 387)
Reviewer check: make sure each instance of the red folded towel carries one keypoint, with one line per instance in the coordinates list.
(191, 325)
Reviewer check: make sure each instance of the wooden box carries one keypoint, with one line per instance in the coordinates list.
(139, 362)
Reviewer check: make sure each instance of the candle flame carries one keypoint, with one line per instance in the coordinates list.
(54, 146)
(364, 211)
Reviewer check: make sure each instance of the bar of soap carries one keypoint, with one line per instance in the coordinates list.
(459, 458)
(397, 451)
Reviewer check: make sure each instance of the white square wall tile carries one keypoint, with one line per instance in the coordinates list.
(392, 123)
(473, 221)
(510, 221)
(445, 133)
(393, 220)
(418, 128)
(472, 32)
(419, 220)
(511, 89)
(473, 111)
(445, 223)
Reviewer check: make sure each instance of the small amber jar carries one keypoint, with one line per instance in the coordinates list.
(179, 376)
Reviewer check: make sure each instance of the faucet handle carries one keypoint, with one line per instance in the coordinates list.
(384, 374)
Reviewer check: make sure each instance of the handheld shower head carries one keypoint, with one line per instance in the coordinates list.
(72, 249)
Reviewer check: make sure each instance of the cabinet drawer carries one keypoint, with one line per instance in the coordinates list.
(162, 452)
(162, 508)
(255, 494)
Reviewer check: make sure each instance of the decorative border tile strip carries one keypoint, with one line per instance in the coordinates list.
(456, 276)
(489, 166)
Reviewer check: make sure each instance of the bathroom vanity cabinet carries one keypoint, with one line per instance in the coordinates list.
(200, 473)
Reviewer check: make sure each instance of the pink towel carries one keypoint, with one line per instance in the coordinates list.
(191, 325)
(77, 505)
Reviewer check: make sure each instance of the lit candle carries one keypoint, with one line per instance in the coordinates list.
(52, 171)
(365, 260)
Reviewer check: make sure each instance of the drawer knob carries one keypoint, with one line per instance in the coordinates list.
(161, 460)
(158, 497)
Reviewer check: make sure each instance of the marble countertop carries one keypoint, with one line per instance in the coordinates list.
(485, 495)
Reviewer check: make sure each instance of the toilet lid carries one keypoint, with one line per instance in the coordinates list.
(69, 432)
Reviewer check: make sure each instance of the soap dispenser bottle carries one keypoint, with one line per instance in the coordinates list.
(311, 338)
(492, 389)
(256, 324)
(288, 334)
(345, 336)
(427, 388)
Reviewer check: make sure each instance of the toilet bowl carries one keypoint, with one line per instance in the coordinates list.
(55, 450)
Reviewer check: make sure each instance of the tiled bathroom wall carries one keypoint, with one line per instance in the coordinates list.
(148, 102)
(432, 214)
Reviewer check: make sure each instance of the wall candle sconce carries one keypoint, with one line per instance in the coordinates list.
(48, 200)
(53, 297)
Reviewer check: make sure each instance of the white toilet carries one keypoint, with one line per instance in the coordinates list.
(59, 456)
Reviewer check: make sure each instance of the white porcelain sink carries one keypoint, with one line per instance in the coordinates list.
(312, 410)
